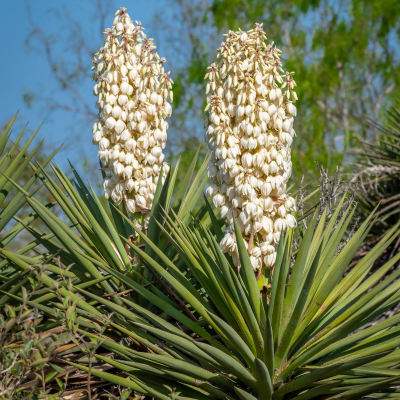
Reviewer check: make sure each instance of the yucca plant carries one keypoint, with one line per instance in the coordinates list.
(199, 328)
(85, 238)
(162, 311)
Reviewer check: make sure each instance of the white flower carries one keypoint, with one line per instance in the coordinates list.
(131, 206)
(291, 220)
(218, 200)
(110, 123)
(250, 130)
(130, 132)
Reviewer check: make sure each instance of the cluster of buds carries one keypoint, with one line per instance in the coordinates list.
(131, 131)
(250, 130)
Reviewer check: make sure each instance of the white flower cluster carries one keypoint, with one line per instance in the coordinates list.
(131, 131)
(250, 131)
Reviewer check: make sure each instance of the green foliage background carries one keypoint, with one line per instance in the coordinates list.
(345, 54)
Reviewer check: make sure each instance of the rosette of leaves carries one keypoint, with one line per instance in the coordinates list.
(197, 327)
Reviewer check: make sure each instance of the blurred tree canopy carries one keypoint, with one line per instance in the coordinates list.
(345, 54)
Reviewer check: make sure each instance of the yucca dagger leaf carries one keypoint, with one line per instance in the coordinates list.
(4, 163)
(11, 167)
(193, 198)
(84, 285)
(304, 381)
(109, 377)
(363, 267)
(119, 251)
(182, 366)
(80, 183)
(184, 344)
(128, 366)
(299, 269)
(365, 371)
(207, 261)
(269, 348)
(235, 340)
(69, 239)
(276, 321)
(89, 228)
(15, 175)
(120, 310)
(172, 184)
(248, 275)
(163, 305)
(277, 272)
(244, 395)
(230, 365)
(331, 243)
(298, 311)
(181, 288)
(263, 380)
(337, 268)
(5, 135)
(319, 390)
(160, 203)
(189, 200)
(324, 373)
(231, 297)
(361, 301)
(183, 187)
(174, 271)
(10, 210)
(341, 332)
(361, 390)
(370, 299)
(18, 201)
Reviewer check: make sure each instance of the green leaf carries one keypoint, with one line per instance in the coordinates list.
(159, 204)
(269, 348)
(360, 391)
(229, 364)
(263, 380)
(50, 376)
(244, 395)
(276, 321)
(283, 347)
(277, 272)
(180, 194)
(317, 391)
(238, 344)
(110, 377)
(248, 275)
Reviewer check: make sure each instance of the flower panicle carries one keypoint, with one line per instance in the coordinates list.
(250, 130)
(133, 98)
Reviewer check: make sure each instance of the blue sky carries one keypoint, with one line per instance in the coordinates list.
(23, 70)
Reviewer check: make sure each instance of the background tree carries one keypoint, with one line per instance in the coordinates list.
(345, 54)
